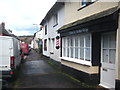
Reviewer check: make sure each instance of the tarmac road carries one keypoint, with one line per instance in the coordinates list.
(37, 73)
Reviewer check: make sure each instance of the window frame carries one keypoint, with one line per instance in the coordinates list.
(55, 20)
(45, 44)
(72, 49)
(45, 29)
(83, 3)
(87, 3)
(108, 48)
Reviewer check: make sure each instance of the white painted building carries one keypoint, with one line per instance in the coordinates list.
(53, 20)
(37, 37)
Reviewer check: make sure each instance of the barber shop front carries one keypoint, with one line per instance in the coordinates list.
(88, 49)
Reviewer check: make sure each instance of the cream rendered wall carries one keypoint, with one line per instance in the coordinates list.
(72, 14)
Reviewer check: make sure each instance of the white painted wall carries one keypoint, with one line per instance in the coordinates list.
(38, 35)
(52, 33)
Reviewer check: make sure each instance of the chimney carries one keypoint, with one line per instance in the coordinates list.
(3, 25)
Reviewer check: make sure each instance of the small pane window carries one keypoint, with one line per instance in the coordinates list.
(64, 42)
(83, 3)
(71, 41)
(105, 42)
(105, 55)
(76, 52)
(81, 41)
(45, 45)
(87, 54)
(87, 40)
(76, 47)
(82, 53)
(76, 41)
(64, 51)
(55, 19)
(67, 47)
(112, 42)
(112, 54)
(71, 52)
(45, 29)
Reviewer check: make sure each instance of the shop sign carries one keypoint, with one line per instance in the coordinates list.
(78, 31)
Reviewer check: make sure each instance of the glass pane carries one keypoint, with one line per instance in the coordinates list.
(105, 55)
(67, 52)
(76, 52)
(64, 42)
(87, 40)
(81, 41)
(112, 54)
(112, 41)
(76, 41)
(64, 52)
(67, 42)
(71, 41)
(105, 41)
(87, 54)
(71, 52)
(82, 53)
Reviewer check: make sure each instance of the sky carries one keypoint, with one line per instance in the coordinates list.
(20, 15)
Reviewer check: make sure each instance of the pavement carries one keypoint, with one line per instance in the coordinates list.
(37, 73)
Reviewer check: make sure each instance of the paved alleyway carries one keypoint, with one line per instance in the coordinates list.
(36, 73)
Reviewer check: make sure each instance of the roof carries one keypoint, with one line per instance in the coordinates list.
(55, 7)
(6, 37)
(92, 17)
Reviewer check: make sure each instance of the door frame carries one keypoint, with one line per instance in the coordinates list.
(101, 60)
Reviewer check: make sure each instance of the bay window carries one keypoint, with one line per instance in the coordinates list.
(77, 47)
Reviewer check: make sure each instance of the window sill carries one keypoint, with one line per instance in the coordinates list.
(78, 61)
(51, 52)
(55, 25)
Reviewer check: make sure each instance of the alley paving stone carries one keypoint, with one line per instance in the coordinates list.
(37, 73)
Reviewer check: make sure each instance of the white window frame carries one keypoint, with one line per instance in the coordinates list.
(108, 48)
(55, 19)
(86, 2)
(76, 60)
(83, 1)
(46, 31)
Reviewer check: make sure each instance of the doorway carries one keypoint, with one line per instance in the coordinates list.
(108, 55)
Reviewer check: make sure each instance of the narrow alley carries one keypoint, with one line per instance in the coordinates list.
(37, 73)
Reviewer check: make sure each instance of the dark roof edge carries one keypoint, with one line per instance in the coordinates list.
(92, 17)
(56, 5)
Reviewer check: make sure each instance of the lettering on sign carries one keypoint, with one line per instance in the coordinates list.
(78, 31)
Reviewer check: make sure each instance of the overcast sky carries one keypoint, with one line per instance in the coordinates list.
(20, 15)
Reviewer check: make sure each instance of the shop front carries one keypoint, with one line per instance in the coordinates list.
(88, 48)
